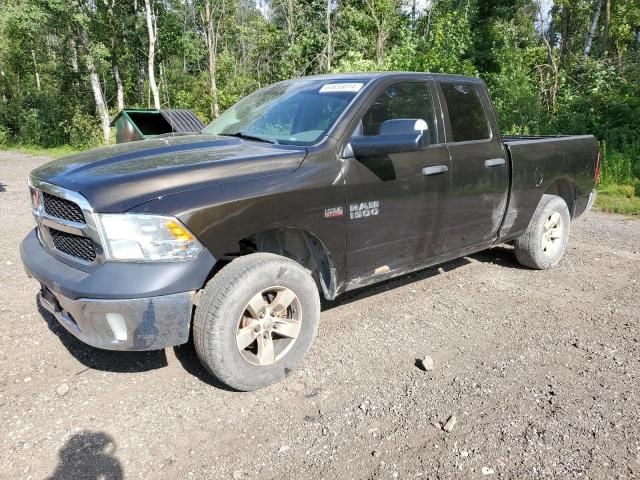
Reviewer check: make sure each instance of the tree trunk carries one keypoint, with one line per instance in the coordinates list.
(141, 80)
(35, 68)
(381, 33)
(119, 87)
(428, 27)
(381, 37)
(211, 39)
(290, 29)
(564, 30)
(74, 55)
(328, 26)
(152, 30)
(594, 27)
(163, 81)
(101, 106)
(607, 21)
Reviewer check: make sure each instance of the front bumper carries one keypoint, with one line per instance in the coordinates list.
(119, 306)
(130, 324)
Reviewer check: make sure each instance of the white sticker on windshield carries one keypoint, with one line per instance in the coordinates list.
(341, 87)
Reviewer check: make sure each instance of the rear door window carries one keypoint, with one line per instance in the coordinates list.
(466, 115)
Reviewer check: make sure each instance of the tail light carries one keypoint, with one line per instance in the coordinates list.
(596, 175)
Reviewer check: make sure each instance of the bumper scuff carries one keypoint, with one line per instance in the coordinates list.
(136, 324)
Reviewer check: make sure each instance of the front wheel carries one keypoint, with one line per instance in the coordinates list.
(544, 242)
(256, 320)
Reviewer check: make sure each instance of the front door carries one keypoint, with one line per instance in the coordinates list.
(395, 201)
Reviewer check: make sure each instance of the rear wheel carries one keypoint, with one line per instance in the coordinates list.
(544, 242)
(256, 320)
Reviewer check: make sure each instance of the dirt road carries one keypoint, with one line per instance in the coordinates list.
(541, 370)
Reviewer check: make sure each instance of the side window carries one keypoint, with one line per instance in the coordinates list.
(466, 115)
(402, 100)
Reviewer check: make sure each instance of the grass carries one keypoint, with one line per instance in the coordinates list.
(624, 199)
(54, 152)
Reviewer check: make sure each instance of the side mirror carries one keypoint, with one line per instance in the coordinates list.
(397, 135)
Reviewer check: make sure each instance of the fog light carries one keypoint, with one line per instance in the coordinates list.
(118, 327)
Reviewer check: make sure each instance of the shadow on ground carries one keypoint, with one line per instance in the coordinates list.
(88, 455)
(104, 360)
(188, 358)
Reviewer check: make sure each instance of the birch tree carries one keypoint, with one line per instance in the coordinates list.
(101, 105)
(593, 28)
(328, 47)
(212, 17)
(152, 32)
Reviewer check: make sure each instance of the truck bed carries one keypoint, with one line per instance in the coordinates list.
(539, 165)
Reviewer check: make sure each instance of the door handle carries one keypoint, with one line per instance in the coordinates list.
(435, 170)
(494, 162)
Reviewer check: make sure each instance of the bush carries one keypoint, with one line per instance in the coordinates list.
(30, 132)
(83, 131)
(621, 166)
(4, 136)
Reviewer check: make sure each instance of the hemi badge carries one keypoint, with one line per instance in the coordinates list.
(333, 212)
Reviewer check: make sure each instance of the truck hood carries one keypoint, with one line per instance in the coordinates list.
(117, 178)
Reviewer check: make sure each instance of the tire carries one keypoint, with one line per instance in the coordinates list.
(544, 242)
(253, 296)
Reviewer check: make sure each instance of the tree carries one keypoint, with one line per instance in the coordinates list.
(212, 17)
(66, 66)
(593, 28)
(152, 32)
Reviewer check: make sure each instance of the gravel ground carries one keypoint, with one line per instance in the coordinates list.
(540, 370)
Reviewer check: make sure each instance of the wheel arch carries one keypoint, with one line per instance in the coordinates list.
(300, 245)
(564, 188)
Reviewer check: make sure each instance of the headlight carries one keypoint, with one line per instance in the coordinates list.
(147, 238)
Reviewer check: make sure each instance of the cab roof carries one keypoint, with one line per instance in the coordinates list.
(367, 76)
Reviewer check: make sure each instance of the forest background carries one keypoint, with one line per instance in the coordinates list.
(67, 67)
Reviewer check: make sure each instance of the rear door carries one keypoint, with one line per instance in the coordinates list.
(480, 175)
(396, 201)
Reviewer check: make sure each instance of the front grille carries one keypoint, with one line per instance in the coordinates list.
(62, 208)
(74, 245)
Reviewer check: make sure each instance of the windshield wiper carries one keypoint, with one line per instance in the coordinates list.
(250, 137)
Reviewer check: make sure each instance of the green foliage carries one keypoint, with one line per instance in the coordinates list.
(4, 136)
(514, 90)
(619, 198)
(31, 130)
(623, 166)
(539, 77)
(83, 131)
(449, 40)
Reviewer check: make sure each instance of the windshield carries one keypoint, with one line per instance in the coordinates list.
(292, 112)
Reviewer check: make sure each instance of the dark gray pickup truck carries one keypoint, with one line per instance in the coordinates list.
(305, 188)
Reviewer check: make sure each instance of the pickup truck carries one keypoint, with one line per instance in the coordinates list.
(305, 188)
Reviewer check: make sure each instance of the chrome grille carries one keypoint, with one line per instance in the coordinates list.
(67, 225)
(74, 245)
(62, 208)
